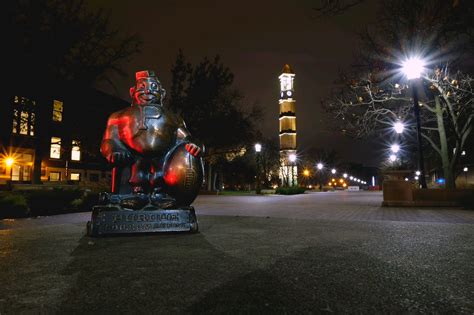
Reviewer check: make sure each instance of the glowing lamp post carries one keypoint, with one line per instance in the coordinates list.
(412, 68)
(395, 148)
(258, 149)
(465, 169)
(292, 159)
(320, 166)
(398, 127)
(9, 163)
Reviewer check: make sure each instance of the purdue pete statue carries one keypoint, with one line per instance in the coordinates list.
(165, 165)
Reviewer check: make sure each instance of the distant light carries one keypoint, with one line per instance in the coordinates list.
(395, 148)
(413, 67)
(344, 175)
(463, 152)
(341, 181)
(351, 177)
(258, 147)
(416, 177)
(344, 185)
(465, 169)
(292, 157)
(392, 157)
(373, 180)
(358, 180)
(9, 161)
(306, 173)
(418, 173)
(440, 180)
(320, 166)
(406, 179)
(399, 127)
(310, 186)
(333, 171)
(275, 186)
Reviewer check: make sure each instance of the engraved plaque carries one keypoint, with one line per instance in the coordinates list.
(120, 222)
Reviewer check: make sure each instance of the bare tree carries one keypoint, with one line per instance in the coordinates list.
(368, 106)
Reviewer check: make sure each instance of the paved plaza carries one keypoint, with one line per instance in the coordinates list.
(334, 252)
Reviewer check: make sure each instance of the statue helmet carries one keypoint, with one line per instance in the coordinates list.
(145, 74)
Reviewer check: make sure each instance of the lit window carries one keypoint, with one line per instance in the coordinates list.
(57, 110)
(16, 114)
(75, 151)
(23, 116)
(24, 122)
(54, 176)
(76, 176)
(55, 151)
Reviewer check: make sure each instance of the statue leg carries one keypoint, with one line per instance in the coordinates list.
(156, 176)
(139, 175)
(182, 175)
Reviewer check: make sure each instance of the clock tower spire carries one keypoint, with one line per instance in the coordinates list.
(288, 168)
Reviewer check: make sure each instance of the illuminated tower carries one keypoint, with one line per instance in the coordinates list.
(288, 168)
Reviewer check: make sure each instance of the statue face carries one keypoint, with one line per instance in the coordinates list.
(146, 91)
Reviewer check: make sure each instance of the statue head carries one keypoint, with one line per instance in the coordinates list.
(147, 89)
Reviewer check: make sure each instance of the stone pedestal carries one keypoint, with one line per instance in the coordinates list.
(111, 219)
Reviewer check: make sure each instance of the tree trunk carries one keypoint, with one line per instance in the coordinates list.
(448, 172)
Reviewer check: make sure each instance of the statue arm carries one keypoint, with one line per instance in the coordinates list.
(183, 135)
(112, 147)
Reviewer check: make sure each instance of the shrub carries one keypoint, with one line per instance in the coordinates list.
(13, 205)
(293, 190)
(48, 202)
(86, 202)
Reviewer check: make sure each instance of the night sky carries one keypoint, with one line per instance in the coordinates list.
(255, 39)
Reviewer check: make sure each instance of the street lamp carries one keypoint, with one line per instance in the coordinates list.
(258, 149)
(333, 171)
(320, 166)
(392, 158)
(398, 126)
(412, 68)
(344, 175)
(395, 148)
(9, 161)
(292, 158)
(465, 169)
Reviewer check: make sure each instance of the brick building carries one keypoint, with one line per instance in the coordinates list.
(59, 132)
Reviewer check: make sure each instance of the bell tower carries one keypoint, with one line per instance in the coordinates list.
(288, 168)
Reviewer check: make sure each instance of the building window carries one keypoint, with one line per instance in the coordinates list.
(76, 176)
(57, 110)
(54, 176)
(23, 116)
(55, 151)
(76, 150)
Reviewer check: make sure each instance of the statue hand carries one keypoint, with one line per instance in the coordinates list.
(120, 158)
(193, 149)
